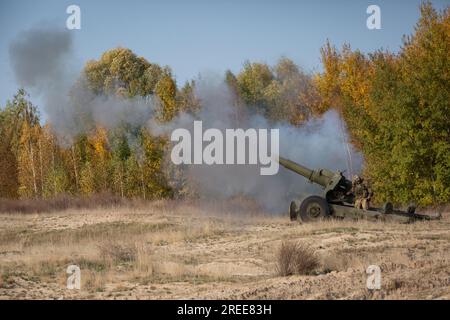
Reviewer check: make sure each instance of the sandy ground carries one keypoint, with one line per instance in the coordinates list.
(188, 251)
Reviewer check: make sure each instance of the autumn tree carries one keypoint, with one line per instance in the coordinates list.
(252, 82)
(10, 124)
(282, 93)
(166, 91)
(287, 94)
(120, 153)
(186, 98)
(19, 125)
(121, 73)
(396, 107)
(52, 172)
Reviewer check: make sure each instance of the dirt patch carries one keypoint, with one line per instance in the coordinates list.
(176, 250)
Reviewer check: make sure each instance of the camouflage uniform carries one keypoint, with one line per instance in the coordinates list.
(361, 192)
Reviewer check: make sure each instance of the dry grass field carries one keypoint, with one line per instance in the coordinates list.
(177, 250)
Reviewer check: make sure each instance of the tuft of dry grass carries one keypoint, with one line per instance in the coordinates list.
(296, 258)
(117, 253)
(94, 281)
(63, 202)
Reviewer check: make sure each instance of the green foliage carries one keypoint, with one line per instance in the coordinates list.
(57, 182)
(397, 110)
(152, 165)
(87, 179)
(186, 99)
(286, 94)
(252, 81)
(280, 93)
(19, 116)
(166, 91)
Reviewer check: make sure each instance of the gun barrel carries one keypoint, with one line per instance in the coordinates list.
(295, 167)
(321, 177)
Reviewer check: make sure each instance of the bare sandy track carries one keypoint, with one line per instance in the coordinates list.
(179, 250)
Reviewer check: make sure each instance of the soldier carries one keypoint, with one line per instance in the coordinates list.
(361, 192)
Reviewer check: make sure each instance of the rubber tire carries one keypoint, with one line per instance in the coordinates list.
(388, 208)
(320, 203)
(293, 211)
(411, 209)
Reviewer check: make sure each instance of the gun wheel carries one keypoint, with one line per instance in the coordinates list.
(314, 208)
(388, 208)
(293, 211)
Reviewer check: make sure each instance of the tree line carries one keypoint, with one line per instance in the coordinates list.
(397, 109)
(395, 105)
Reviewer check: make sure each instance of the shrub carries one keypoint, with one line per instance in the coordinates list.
(117, 253)
(296, 258)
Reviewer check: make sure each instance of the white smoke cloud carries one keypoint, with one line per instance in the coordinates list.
(41, 61)
(319, 143)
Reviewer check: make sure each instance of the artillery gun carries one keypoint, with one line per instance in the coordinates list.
(337, 200)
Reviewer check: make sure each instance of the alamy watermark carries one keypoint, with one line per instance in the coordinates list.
(374, 20)
(73, 21)
(235, 150)
(74, 278)
(374, 277)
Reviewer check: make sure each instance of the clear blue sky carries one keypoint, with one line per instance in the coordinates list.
(193, 36)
